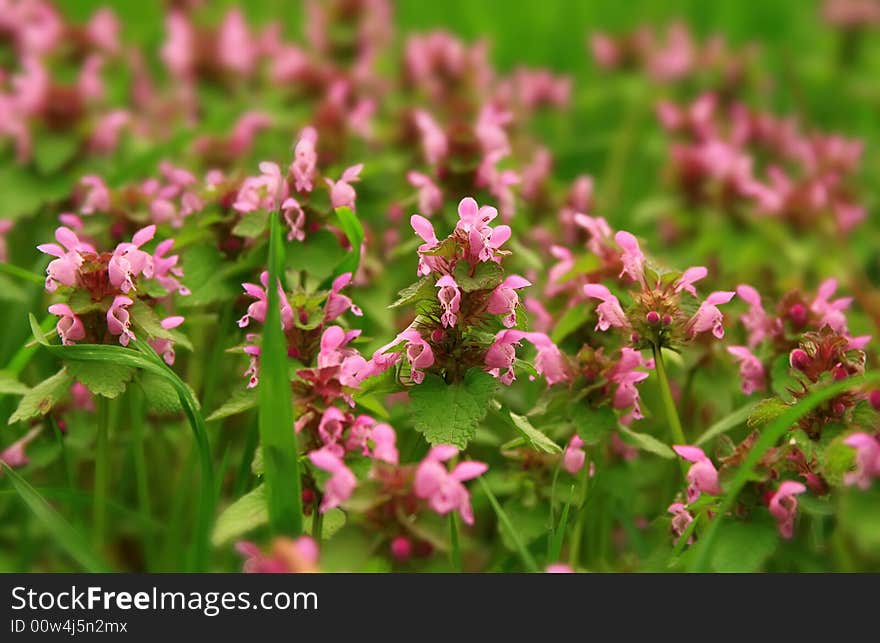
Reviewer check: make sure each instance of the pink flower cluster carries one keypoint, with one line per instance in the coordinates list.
(656, 314)
(111, 280)
(805, 177)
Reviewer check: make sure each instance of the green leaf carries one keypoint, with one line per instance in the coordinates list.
(766, 411)
(332, 522)
(159, 394)
(728, 422)
(592, 425)
(860, 518)
(647, 443)
(9, 385)
(319, 254)
(107, 379)
(67, 538)
(744, 547)
(415, 292)
(40, 399)
(52, 151)
(766, 440)
(251, 225)
(247, 513)
(571, 320)
(354, 231)
(530, 522)
(449, 413)
(506, 525)
(275, 403)
(781, 378)
(144, 318)
(202, 265)
(241, 401)
(537, 440)
(487, 275)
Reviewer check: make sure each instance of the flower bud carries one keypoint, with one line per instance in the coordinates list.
(401, 548)
(799, 359)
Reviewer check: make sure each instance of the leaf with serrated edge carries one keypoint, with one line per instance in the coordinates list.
(449, 413)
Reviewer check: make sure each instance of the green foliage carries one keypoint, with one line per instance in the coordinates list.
(487, 275)
(593, 424)
(40, 399)
(449, 413)
(107, 379)
(646, 443)
(533, 437)
(744, 547)
(241, 400)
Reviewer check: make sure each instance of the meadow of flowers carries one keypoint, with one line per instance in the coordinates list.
(376, 286)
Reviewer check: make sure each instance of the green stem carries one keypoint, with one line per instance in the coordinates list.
(668, 402)
(136, 401)
(455, 550)
(317, 519)
(21, 273)
(577, 536)
(99, 515)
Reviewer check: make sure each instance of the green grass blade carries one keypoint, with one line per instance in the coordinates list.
(275, 419)
(726, 423)
(354, 231)
(146, 358)
(68, 538)
(770, 435)
(524, 553)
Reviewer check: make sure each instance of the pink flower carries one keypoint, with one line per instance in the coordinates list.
(330, 428)
(14, 455)
(178, 51)
(549, 361)
(337, 303)
(535, 173)
(559, 568)
(423, 228)
(626, 395)
(264, 192)
(384, 443)
(430, 196)
(542, 319)
(289, 556)
(305, 160)
(342, 481)
(70, 327)
(450, 299)
(245, 129)
(442, 489)
(687, 279)
(501, 355)
(103, 30)
(631, 256)
(434, 144)
(97, 196)
(783, 505)
(418, 353)
(165, 269)
(236, 51)
(756, 320)
(830, 312)
(165, 347)
(295, 219)
(504, 300)
(609, 311)
(708, 317)
(483, 239)
(867, 460)
(681, 519)
(118, 320)
(751, 370)
(65, 268)
(702, 477)
(129, 260)
(105, 136)
(342, 195)
(257, 310)
(574, 456)
(89, 84)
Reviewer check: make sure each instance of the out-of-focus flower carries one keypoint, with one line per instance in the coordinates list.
(783, 505)
(443, 489)
(702, 477)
